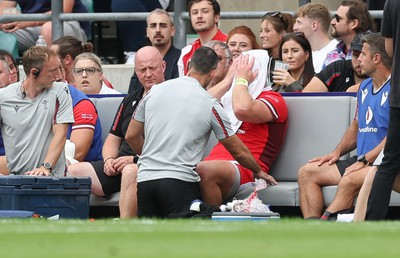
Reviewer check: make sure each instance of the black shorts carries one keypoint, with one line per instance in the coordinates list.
(110, 184)
(343, 164)
(164, 197)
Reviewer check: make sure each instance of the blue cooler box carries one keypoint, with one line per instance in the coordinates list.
(67, 197)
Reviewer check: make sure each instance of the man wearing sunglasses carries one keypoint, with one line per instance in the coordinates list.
(204, 15)
(351, 17)
(341, 75)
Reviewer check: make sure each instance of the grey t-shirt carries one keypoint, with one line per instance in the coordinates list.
(178, 117)
(26, 125)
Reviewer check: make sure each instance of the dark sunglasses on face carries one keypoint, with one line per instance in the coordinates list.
(88, 70)
(338, 18)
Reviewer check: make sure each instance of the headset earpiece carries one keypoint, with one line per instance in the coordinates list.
(35, 72)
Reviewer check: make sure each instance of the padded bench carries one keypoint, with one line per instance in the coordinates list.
(316, 124)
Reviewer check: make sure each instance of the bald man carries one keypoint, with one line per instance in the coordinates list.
(118, 172)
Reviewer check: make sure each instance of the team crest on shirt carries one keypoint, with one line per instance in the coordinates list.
(16, 108)
(45, 104)
(384, 97)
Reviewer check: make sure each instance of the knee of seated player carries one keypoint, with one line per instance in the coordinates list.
(214, 170)
(80, 169)
(129, 173)
(319, 175)
(309, 172)
(352, 181)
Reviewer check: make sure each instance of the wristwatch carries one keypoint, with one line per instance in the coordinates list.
(47, 166)
(362, 159)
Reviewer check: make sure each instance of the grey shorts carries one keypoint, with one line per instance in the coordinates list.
(27, 37)
(237, 187)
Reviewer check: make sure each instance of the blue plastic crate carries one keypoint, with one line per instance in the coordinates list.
(67, 197)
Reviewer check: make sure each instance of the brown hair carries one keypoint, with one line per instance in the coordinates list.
(69, 45)
(316, 11)
(280, 21)
(35, 56)
(359, 10)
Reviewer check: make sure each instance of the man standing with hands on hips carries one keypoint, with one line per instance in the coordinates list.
(34, 116)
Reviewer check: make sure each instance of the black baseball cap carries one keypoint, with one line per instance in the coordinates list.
(357, 44)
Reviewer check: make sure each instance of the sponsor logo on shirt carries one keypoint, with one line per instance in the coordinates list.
(87, 116)
(240, 131)
(368, 117)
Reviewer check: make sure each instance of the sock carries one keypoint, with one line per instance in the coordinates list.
(326, 215)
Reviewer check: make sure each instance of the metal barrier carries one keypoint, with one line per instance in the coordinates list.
(180, 16)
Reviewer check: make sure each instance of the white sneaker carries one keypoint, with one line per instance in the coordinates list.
(345, 217)
(130, 57)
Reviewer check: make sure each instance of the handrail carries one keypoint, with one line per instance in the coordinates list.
(183, 16)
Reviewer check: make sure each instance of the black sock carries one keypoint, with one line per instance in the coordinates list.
(326, 215)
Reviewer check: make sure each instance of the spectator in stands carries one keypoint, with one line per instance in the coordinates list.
(204, 16)
(85, 132)
(241, 39)
(27, 32)
(35, 115)
(259, 118)
(4, 73)
(296, 51)
(313, 19)
(273, 26)
(388, 170)
(88, 75)
(12, 65)
(117, 172)
(367, 133)
(160, 29)
(132, 34)
(352, 17)
(224, 63)
(68, 48)
(167, 178)
(341, 75)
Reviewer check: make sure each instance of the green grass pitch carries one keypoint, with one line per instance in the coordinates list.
(197, 238)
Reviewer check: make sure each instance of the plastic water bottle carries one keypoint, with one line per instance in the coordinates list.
(41, 42)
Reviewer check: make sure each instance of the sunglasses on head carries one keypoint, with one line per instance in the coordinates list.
(276, 14)
(293, 34)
